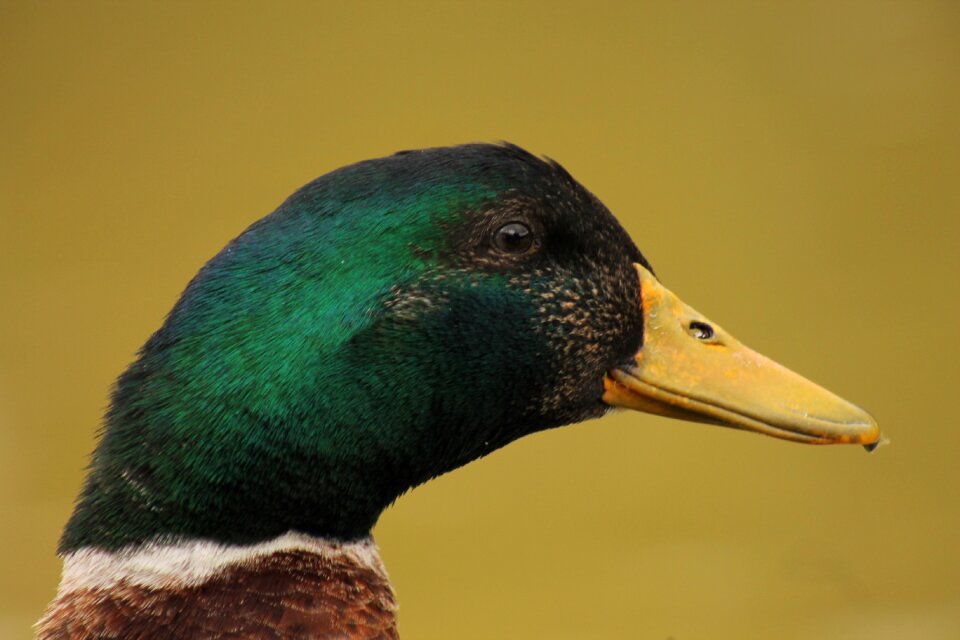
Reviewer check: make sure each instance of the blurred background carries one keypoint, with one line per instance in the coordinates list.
(790, 169)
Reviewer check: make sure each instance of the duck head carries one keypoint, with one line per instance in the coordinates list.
(396, 319)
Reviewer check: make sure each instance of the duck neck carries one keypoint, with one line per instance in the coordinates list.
(292, 586)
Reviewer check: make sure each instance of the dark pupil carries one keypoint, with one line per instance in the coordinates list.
(514, 238)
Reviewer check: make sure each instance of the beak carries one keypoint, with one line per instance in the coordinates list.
(689, 368)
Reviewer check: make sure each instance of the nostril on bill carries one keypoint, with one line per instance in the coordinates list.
(701, 330)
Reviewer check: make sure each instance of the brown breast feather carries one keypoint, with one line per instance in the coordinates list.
(285, 595)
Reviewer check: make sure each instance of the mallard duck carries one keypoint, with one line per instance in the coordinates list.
(391, 321)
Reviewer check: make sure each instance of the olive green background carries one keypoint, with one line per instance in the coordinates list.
(790, 169)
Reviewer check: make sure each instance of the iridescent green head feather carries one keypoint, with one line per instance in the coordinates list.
(371, 333)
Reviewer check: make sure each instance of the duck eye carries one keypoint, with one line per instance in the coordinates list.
(514, 237)
(701, 330)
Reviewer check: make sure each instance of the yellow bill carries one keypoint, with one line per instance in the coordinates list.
(690, 368)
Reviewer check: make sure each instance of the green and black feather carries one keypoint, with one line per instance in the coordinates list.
(363, 338)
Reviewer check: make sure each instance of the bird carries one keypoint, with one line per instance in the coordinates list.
(390, 321)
